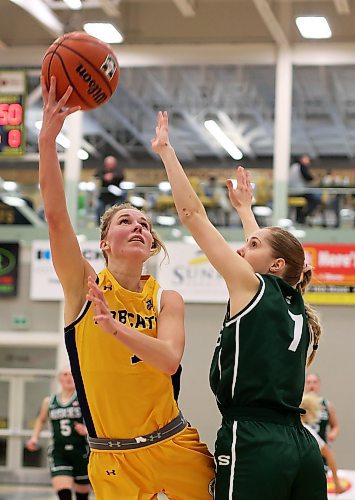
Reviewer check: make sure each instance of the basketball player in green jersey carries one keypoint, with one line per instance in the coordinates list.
(327, 426)
(68, 453)
(125, 339)
(263, 452)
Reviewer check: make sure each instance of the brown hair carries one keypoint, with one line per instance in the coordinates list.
(106, 220)
(286, 246)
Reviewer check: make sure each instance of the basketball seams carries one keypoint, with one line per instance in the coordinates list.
(70, 81)
(83, 37)
(91, 64)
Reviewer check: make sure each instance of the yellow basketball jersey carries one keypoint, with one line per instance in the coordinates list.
(120, 395)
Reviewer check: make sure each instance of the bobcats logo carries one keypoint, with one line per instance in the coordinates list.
(109, 67)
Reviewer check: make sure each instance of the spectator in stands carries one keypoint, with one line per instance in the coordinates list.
(300, 178)
(110, 176)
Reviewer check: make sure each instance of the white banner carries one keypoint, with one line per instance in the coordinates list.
(190, 273)
(44, 284)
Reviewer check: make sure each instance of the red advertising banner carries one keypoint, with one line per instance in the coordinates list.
(333, 273)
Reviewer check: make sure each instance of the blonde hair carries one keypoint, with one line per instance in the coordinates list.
(285, 245)
(312, 404)
(106, 220)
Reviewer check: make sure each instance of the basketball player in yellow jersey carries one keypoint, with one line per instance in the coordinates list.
(125, 339)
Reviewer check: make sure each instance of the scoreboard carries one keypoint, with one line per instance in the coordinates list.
(12, 122)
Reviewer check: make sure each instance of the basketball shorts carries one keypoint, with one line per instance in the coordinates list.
(70, 461)
(181, 466)
(268, 461)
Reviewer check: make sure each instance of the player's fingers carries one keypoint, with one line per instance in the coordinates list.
(166, 119)
(44, 90)
(70, 111)
(63, 100)
(52, 90)
(240, 177)
(247, 177)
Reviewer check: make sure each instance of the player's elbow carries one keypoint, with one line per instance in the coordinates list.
(172, 365)
(189, 216)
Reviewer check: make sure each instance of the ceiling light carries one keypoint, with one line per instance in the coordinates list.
(164, 186)
(63, 141)
(13, 201)
(166, 220)
(40, 11)
(82, 154)
(313, 27)
(127, 185)
(137, 201)
(115, 190)
(9, 185)
(224, 141)
(73, 4)
(104, 31)
(87, 186)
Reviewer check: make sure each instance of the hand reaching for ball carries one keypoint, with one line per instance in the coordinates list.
(54, 112)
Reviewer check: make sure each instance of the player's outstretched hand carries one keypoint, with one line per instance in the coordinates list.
(102, 314)
(241, 195)
(54, 112)
(161, 139)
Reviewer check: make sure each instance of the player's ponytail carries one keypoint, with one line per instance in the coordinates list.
(314, 324)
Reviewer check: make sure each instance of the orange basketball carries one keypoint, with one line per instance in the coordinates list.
(87, 64)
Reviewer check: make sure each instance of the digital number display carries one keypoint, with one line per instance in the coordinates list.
(12, 130)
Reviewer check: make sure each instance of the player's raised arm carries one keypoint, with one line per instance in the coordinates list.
(237, 273)
(241, 199)
(69, 264)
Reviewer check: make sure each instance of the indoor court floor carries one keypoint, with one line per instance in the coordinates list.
(31, 492)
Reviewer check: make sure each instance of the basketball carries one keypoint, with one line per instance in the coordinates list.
(87, 64)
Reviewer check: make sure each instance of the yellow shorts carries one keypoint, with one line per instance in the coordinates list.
(181, 466)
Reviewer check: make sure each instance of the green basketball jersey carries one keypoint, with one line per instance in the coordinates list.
(62, 418)
(261, 352)
(321, 426)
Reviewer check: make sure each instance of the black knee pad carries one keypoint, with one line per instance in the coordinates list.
(64, 494)
(82, 496)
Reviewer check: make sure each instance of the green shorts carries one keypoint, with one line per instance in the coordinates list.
(70, 461)
(263, 460)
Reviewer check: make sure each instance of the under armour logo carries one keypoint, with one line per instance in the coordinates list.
(149, 304)
(107, 287)
(111, 472)
(117, 444)
(155, 436)
(288, 299)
